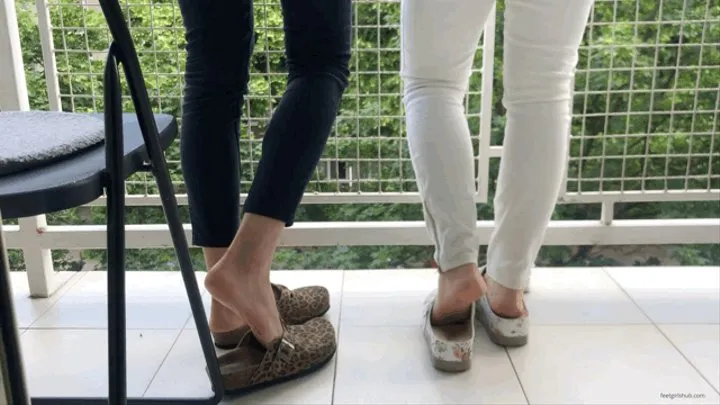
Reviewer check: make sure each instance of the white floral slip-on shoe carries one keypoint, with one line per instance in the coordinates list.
(502, 331)
(450, 344)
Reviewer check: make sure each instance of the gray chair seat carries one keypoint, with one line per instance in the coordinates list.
(30, 139)
(66, 171)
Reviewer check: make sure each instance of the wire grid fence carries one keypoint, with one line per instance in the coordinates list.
(647, 100)
(645, 111)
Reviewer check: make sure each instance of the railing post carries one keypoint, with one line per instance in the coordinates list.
(14, 97)
(13, 90)
(48, 51)
(607, 213)
(38, 262)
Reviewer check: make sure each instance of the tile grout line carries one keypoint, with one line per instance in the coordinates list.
(517, 375)
(677, 349)
(667, 338)
(337, 352)
(162, 363)
(73, 281)
(183, 328)
(627, 294)
(512, 364)
(70, 284)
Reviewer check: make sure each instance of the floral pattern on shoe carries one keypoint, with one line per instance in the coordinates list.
(449, 355)
(462, 352)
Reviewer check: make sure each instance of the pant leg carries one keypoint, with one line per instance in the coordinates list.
(318, 41)
(439, 41)
(220, 39)
(542, 38)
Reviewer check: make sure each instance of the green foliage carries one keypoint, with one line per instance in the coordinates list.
(645, 116)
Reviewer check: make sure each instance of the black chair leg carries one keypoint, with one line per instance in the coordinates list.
(177, 232)
(172, 216)
(115, 188)
(182, 251)
(11, 365)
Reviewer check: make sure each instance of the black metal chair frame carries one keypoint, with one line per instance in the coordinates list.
(121, 52)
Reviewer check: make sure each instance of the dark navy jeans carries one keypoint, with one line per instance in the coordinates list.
(220, 38)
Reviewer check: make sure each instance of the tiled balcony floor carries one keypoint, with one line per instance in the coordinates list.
(615, 335)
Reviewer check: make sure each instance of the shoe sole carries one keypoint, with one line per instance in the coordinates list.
(232, 346)
(498, 339)
(451, 366)
(267, 384)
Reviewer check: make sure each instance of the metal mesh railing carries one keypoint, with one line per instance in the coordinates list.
(647, 101)
(646, 104)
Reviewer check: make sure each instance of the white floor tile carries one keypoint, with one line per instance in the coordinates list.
(386, 297)
(155, 300)
(183, 375)
(190, 324)
(605, 364)
(183, 372)
(64, 362)
(673, 294)
(382, 356)
(391, 365)
(28, 310)
(579, 296)
(701, 345)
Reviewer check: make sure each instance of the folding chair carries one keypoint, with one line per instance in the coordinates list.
(132, 143)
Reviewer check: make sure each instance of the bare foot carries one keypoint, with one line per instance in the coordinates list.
(248, 296)
(458, 288)
(241, 278)
(222, 319)
(504, 301)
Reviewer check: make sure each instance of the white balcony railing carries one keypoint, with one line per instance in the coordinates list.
(644, 129)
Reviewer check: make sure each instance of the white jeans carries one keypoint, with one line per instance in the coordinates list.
(439, 40)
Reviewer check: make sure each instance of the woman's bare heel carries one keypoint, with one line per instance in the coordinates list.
(451, 341)
(501, 330)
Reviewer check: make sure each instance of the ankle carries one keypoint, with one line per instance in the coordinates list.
(462, 278)
(226, 269)
(463, 272)
(222, 319)
(458, 288)
(505, 301)
(270, 331)
(255, 243)
(212, 256)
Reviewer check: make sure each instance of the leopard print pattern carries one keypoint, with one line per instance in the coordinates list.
(299, 305)
(301, 348)
(296, 307)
